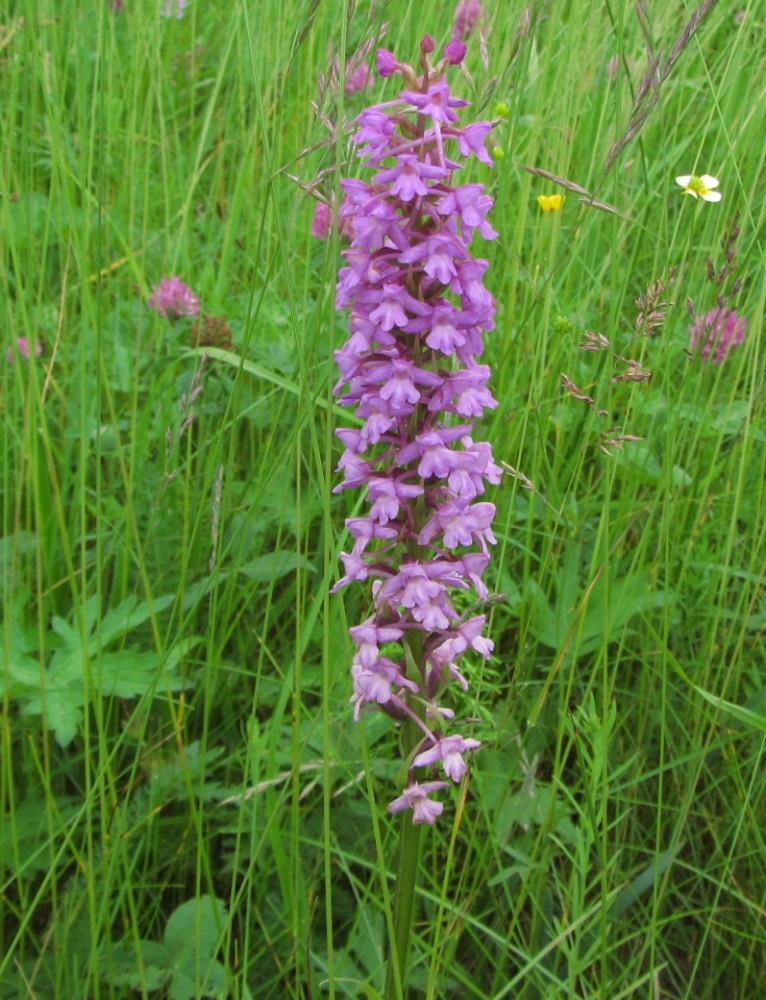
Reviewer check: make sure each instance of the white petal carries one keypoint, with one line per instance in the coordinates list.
(689, 191)
(712, 196)
(683, 180)
(710, 182)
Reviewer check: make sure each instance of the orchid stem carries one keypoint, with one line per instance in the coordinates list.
(404, 893)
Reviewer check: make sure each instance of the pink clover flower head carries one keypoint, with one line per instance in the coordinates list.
(717, 333)
(22, 346)
(418, 313)
(174, 8)
(172, 298)
(467, 13)
(424, 810)
(321, 223)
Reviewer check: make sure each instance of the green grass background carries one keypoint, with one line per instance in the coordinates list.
(187, 808)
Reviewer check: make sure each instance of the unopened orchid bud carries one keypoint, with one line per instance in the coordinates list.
(454, 52)
(386, 63)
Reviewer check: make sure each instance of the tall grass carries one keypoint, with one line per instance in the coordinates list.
(187, 807)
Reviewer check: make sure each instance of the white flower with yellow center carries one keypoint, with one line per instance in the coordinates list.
(700, 187)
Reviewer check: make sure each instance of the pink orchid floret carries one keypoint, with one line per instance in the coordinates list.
(436, 103)
(418, 313)
(174, 8)
(455, 52)
(415, 797)
(358, 79)
(448, 750)
(386, 63)
(321, 222)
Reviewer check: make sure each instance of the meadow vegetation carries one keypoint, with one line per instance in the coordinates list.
(187, 806)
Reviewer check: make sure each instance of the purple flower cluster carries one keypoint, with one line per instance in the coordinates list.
(174, 8)
(418, 312)
(358, 76)
(467, 13)
(716, 333)
(321, 223)
(173, 298)
(25, 350)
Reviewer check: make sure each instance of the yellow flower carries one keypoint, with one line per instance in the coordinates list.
(551, 202)
(700, 187)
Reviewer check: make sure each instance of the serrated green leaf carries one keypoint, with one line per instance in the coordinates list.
(19, 674)
(185, 985)
(61, 711)
(128, 615)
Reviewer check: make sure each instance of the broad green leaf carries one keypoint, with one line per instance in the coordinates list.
(130, 674)
(26, 841)
(18, 544)
(274, 566)
(185, 985)
(60, 710)
(643, 882)
(121, 966)
(19, 672)
(129, 614)
(260, 371)
(193, 929)
(744, 715)
(360, 988)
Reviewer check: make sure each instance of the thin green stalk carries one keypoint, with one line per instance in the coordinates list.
(406, 881)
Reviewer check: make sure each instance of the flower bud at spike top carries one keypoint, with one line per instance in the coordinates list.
(454, 52)
(427, 44)
(321, 222)
(386, 63)
(418, 312)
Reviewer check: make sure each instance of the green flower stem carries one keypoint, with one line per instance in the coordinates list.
(404, 893)
(409, 838)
